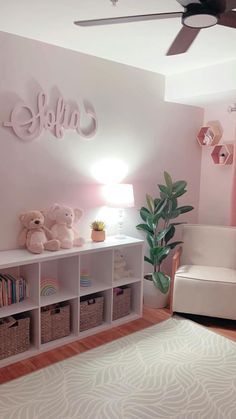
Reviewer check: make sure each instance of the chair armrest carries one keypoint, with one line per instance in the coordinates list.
(176, 262)
(175, 265)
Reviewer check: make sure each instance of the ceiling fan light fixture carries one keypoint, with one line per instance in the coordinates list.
(201, 20)
(199, 16)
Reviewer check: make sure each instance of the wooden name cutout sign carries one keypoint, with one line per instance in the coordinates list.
(28, 125)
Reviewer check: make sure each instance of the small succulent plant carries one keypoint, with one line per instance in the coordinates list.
(97, 225)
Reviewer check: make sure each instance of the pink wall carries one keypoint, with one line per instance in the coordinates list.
(135, 125)
(216, 181)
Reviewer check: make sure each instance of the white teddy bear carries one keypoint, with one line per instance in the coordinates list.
(120, 266)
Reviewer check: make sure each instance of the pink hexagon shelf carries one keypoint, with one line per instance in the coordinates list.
(223, 154)
(209, 135)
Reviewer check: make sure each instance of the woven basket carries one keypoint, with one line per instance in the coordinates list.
(15, 338)
(121, 303)
(55, 322)
(91, 313)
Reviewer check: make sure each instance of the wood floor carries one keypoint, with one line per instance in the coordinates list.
(150, 317)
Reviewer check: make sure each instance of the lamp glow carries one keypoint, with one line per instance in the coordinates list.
(109, 171)
(119, 196)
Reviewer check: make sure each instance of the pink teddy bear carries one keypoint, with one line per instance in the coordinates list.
(63, 228)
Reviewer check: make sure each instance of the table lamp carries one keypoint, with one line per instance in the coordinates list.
(121, 196)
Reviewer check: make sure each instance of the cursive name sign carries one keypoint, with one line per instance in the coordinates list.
(28, 124)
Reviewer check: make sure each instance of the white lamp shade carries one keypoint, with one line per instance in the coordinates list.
(120, 195)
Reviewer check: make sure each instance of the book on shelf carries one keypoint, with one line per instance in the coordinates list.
(12, 289)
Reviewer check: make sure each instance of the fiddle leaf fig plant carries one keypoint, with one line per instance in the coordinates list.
(159, 226)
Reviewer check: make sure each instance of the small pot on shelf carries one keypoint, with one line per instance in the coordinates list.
(98, 236)
(98, 233)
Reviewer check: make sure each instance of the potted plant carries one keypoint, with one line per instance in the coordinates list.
(98, 231)
(160, 229)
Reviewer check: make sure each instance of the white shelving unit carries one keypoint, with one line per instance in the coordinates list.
(66, 265)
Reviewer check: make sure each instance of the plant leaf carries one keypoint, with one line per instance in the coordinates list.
(174, 214)
(163, 254)
(168, 180)
(162, 195)
(161, 281)
(180, 193)
(156, 202)
(164, 189)
(150, 222)
(180, 185)
(160, 206)
(150, 203)
(173, 203)
(148, 260)
(174, 244)
(162, 233)
(144, 212)
(150, 240)
(170, 233)
(144, 227)
(185, 208)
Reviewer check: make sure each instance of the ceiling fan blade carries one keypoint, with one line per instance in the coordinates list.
(127, 19)
(183, 40)
(228, 19)
(231, 4)
(185, 3)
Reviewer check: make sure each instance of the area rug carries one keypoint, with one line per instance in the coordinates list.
(176, 369)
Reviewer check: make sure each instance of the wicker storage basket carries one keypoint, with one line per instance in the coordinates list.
(55, 322)
(91, 313)
(121, 302)
(14, 336)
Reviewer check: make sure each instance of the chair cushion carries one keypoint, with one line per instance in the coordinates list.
(209, 245)
(205, 290)
(207, 273)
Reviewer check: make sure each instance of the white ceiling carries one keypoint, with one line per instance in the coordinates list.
(138, 44)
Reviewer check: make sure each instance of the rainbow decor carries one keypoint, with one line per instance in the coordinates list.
(48, 286)
(85, 278)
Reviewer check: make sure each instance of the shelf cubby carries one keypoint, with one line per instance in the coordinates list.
(227, 150)
(133, 256)
(31, 274)
(209, 135)
(73, 309)
(66, 271)
(107, 309)
(99, 267)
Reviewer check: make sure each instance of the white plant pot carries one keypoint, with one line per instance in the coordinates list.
(152, 296)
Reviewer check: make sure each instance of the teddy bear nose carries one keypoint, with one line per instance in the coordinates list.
(36, 222)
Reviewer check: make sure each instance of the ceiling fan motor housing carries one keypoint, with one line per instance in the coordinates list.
(200, 15)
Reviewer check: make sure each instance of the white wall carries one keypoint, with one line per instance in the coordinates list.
(203, 85)
(135, 125)
(216, 181)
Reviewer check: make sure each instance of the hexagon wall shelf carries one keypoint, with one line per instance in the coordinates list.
(209, 135)
(223, 154)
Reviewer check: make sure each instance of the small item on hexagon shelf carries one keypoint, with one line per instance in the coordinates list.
(222, 158)
(207, 139)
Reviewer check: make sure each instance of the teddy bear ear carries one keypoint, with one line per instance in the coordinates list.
(55, 207)
(44, 212)
(51, 211)
(22, 216)
(78, 214)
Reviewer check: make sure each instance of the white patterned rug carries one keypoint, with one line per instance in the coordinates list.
(176, 369)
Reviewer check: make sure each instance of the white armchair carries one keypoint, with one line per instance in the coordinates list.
(204, 272)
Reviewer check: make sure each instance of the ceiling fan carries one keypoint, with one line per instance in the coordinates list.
(197, 15)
